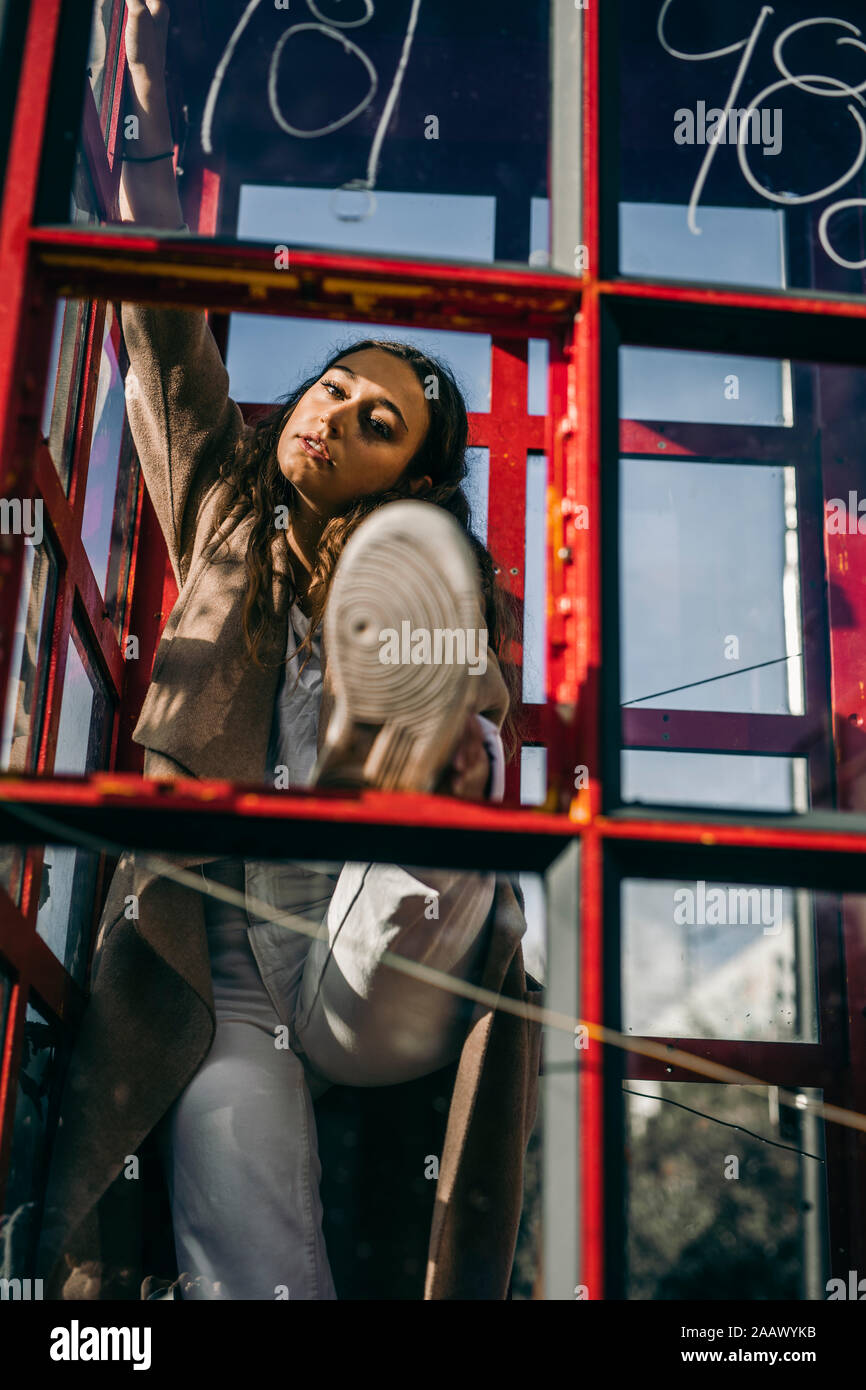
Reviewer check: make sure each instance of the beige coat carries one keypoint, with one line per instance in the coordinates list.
(150, 1019)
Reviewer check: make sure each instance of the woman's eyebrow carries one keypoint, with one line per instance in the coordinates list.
(380, 400)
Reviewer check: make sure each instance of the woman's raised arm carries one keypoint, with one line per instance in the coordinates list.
(182, 419)
(148, 188)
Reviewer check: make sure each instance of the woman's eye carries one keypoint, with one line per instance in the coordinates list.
(331, 387)
(380, 427)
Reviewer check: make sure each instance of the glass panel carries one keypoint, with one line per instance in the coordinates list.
(724, 781)
(534, 943)
(656, 384)
(379, 154)
(727, 1194)
(84, 207)
(741, 544)
(533, 775)
(266, 355)
(738, 246)
(742, 143)
(24, 698)
(23, 714)
(431, 225)
(64, 383)
(110, 496)
(692, 611)
(68, 875)
(476, 486)
(535, 592)
(709, 960)
(31, 1139)
(537, 381)
(419, 1033)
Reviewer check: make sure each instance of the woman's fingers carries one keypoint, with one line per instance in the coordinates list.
(146, 35)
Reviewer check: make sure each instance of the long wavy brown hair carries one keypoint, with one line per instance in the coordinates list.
(255, 484)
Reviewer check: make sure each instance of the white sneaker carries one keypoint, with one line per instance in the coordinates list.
(400, 628)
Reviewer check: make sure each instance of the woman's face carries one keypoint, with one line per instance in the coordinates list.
(354, 432)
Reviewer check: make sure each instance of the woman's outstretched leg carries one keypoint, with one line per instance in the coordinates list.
(361, 1022)
(393, 714)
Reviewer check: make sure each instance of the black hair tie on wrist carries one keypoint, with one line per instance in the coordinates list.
(146, 158)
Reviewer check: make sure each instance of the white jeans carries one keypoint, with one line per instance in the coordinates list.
(239, 1144)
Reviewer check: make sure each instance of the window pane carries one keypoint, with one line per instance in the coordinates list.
(692, 611)
(741, 546)
(714, 1212)
(656, 384)
(764, 188)
(476, 485)
(535, 592)
(727, 782)
(110, 496)
(29, 665)
(709, 960)
(739, 246)
(268, 355)
(69, 876)
(64, 383)
(85, 714)
(421, 1031)
(31, 1139)
(431, 225)
(25, 696)
(533, 775)
(537, 380)
(84, 208)
(380, 154)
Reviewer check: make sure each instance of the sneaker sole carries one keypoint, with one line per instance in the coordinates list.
(408, 562)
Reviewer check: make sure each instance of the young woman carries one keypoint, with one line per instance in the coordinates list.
(263, 1020)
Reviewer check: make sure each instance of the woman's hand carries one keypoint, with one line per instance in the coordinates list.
(468, 773)
(146, 36)
(148, 191)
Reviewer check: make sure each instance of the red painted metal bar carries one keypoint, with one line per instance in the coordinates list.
(581, 603)
(709, 731)
(318, 284)
(19, 387)
(729, 443)
(124, 792)
(10, 1060)
(754, 835)
(777, 1063)
(112, 108)
(835, 306)
(105, 180)
(841, 399)
(17, 209)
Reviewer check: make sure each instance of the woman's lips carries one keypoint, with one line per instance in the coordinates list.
(314, 453)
